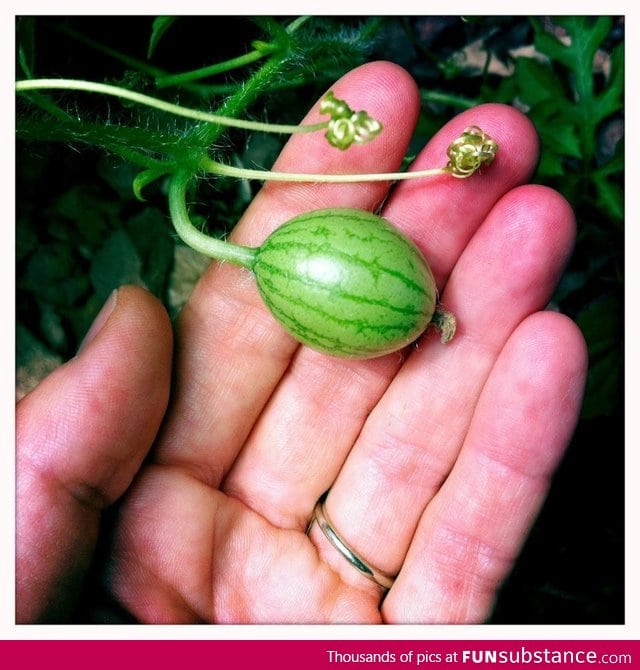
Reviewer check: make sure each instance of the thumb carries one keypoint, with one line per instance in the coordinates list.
(81, 436)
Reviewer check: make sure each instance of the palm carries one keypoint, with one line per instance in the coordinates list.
(437, 462)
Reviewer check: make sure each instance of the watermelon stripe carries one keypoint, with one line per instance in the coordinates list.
(361, 325)
(373, 266)
(359, 299)
(322, 341)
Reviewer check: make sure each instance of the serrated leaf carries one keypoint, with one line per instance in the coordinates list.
(609, 196)
(116, 263)
(537, 81)
(562, 137)
(159, 27)
(587, 33)
(585, 36)
(558, 134)
(612, 98)
(550, 164)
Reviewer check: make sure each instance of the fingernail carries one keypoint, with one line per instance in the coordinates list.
(100, 320)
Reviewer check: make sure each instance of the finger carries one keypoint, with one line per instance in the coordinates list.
(230, 351)
(443, 218)
(412, 438)
(472, 531)
(315, 415)
(81, 436)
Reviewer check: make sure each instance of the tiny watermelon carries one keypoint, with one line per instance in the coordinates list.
(346, 282)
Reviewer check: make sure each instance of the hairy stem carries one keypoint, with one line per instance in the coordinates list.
(134, 144)
(237, 103)
(249, 91)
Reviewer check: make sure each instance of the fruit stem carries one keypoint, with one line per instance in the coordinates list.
(444, 322)
(190, 235)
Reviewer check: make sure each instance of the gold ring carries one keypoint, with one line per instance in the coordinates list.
(320, 516)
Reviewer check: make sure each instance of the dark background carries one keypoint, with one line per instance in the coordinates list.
(80, 231)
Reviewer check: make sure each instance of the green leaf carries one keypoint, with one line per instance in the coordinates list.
(558, 132)
(559, 136)
(115, 264)
(612, 98)
(50, 264)
(159, 27)
(551, 164)
(537, 81)
(143, 179)
(610, 197)
(584, 37)
(91, 214)
(53, 275)
(150, 234)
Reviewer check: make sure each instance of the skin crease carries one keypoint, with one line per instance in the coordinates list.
(438, 460)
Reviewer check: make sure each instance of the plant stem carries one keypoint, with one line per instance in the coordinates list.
(211, 70)
(214, 167)
(209, 246)
(448, 99)
(121, 140)
(250, 89)
(244, 96)
(170, 108)
(165, 80)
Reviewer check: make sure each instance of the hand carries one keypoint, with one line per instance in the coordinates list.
(437, 461)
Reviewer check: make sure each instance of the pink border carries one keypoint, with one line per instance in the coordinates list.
(315, 654)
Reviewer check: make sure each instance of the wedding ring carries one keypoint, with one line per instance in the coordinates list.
(324, 522)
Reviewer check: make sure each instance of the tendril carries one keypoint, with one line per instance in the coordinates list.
(346, 127)
(473, 149)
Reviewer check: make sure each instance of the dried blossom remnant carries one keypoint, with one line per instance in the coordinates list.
(347, 127)
(470, 151)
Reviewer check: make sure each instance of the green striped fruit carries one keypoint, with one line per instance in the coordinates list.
(346, 282)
